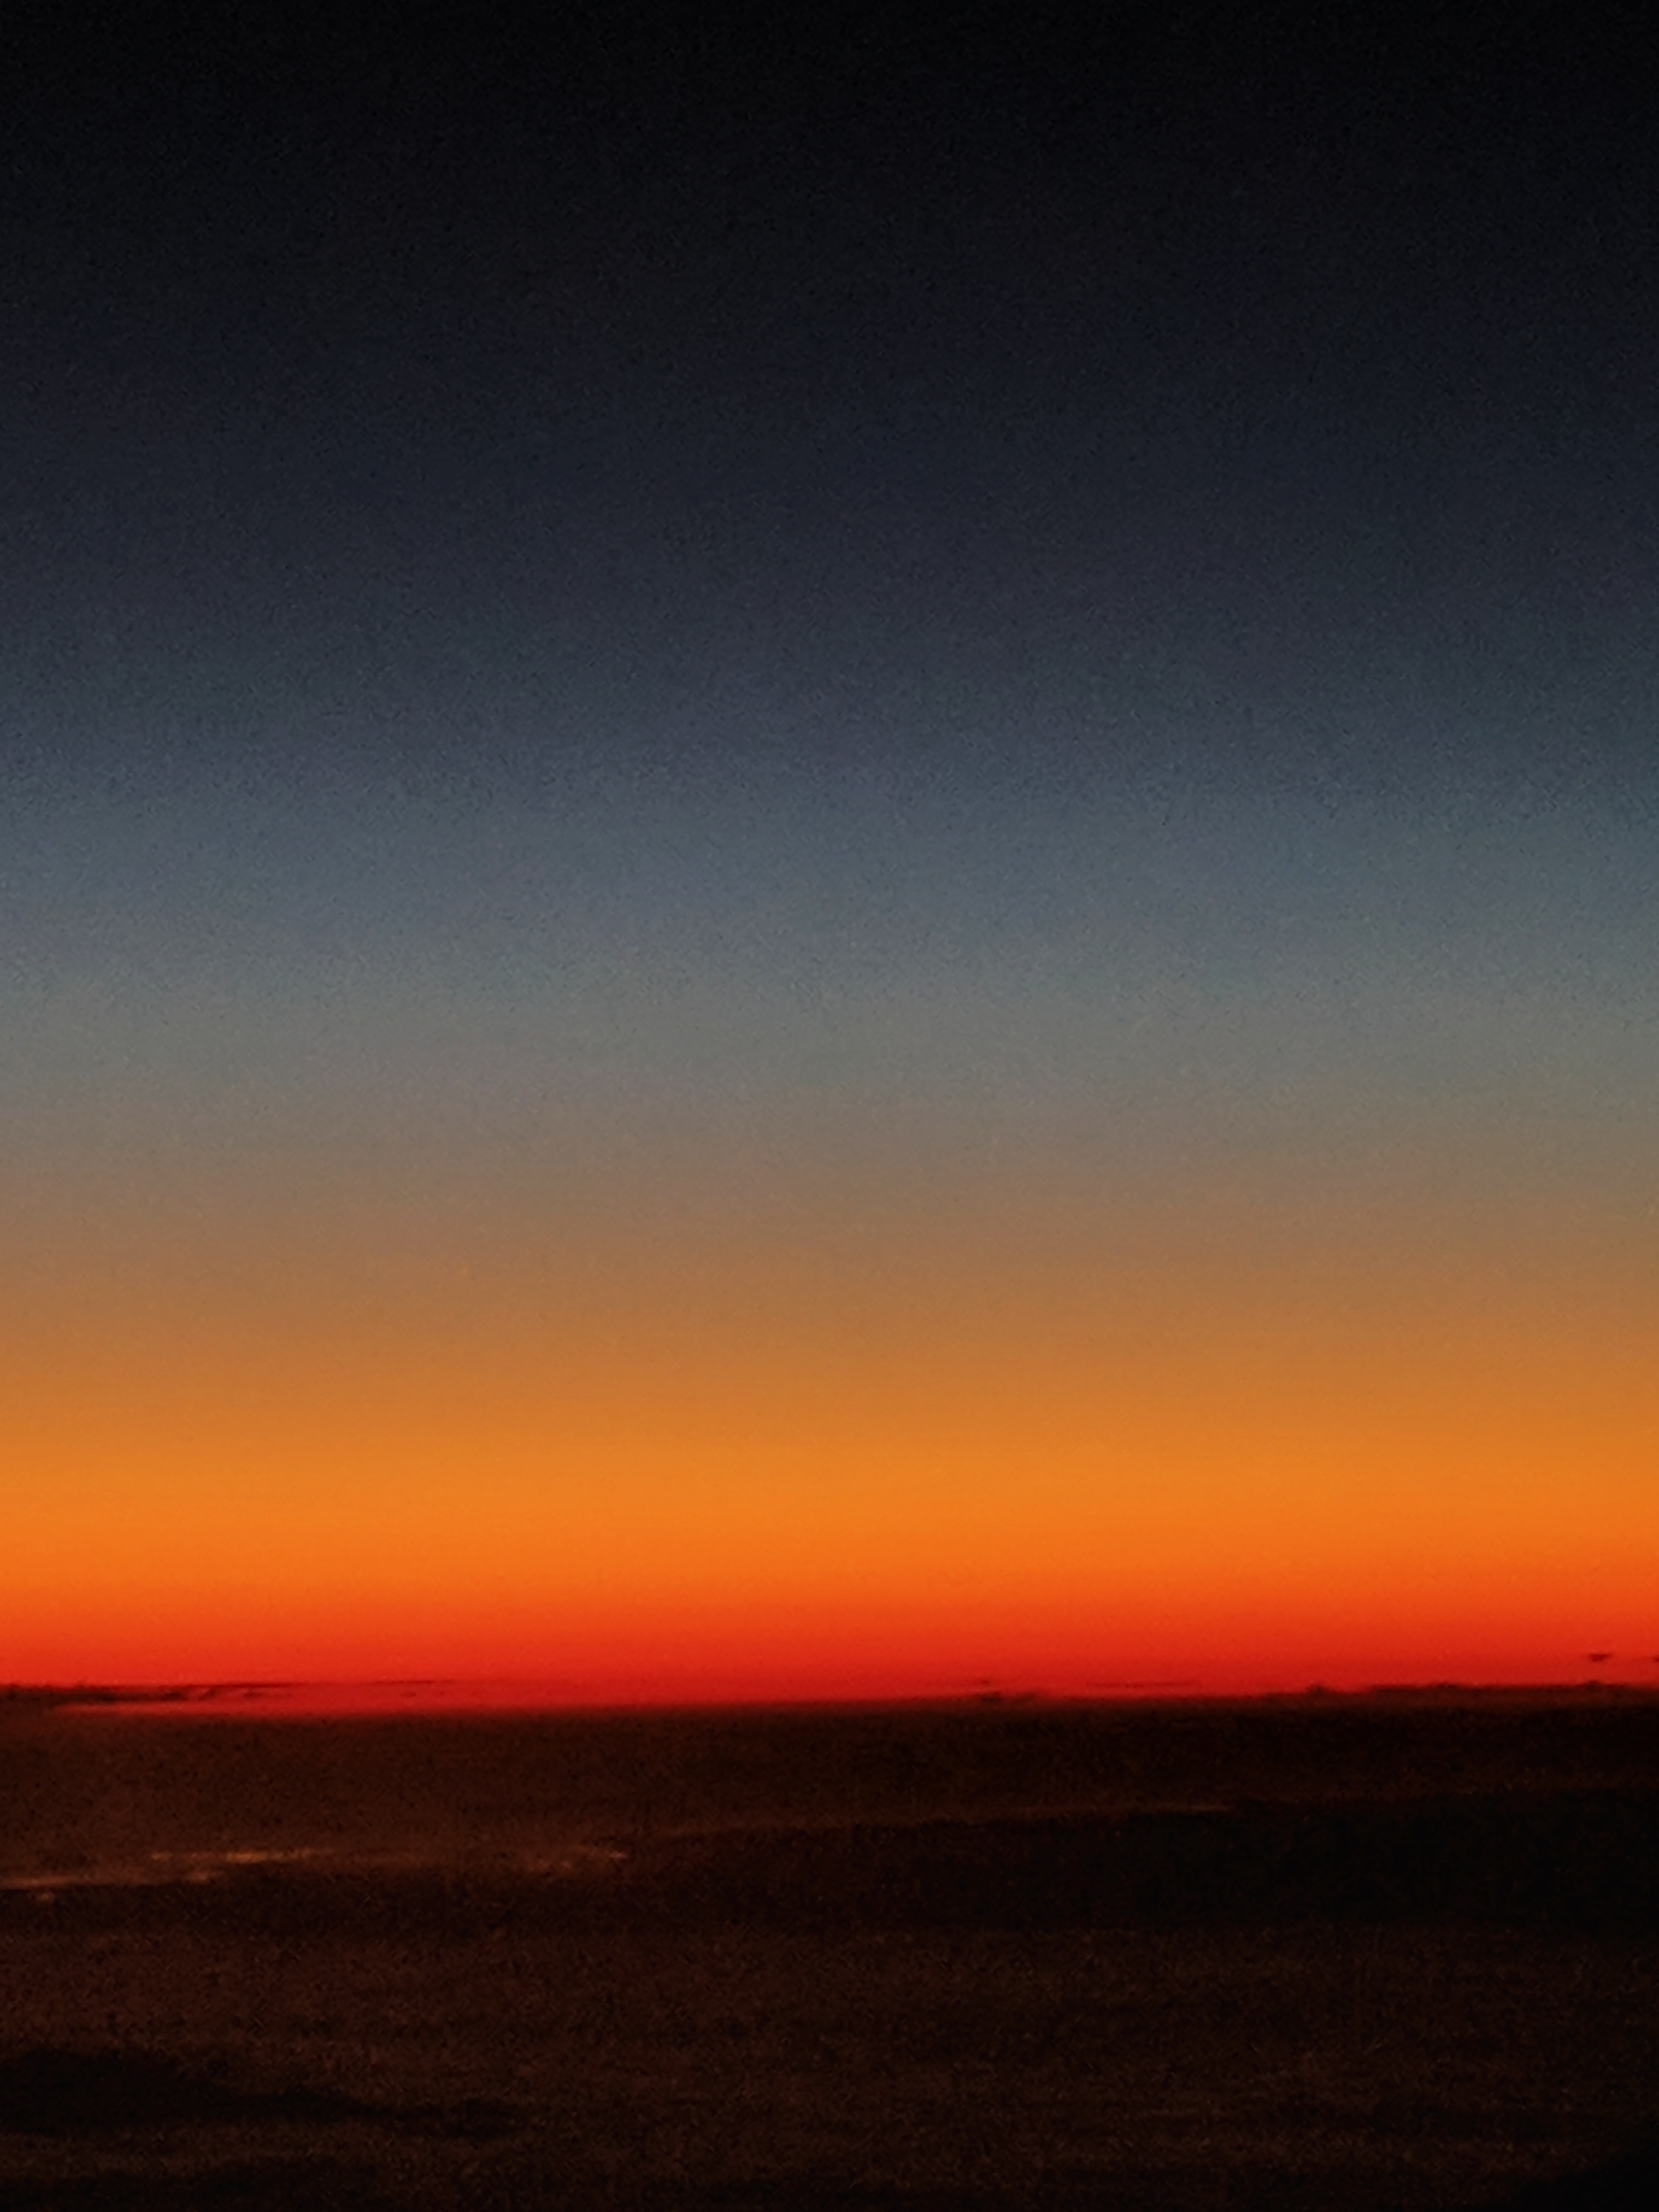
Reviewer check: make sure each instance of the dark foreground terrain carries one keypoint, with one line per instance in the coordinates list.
(1397, 1969)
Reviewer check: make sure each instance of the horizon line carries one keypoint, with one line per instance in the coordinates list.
(415, 1693)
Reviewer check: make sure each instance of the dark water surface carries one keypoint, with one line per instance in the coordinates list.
(1343, 1953)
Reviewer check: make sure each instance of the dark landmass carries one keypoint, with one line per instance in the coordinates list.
(1580, 1862)
(45, 2092)
(1324, 1955)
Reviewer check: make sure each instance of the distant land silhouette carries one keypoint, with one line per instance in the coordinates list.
(1384, 1951)
(447, 1692)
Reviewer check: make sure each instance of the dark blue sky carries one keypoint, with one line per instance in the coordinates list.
(1229, 398)
(939, 547)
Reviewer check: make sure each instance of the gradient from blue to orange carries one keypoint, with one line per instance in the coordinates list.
(826, 1010)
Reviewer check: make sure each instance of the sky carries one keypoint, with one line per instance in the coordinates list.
(828, 855)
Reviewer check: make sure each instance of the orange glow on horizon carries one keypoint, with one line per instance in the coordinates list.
(1221, 1442)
